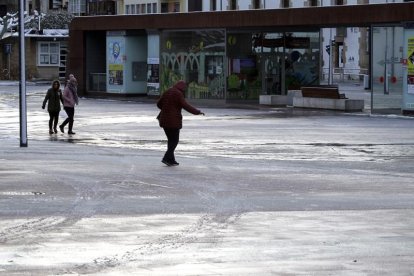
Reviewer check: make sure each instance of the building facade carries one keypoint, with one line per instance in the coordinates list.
(46, 49)
(244, 54)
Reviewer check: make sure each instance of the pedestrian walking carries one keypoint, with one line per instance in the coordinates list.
(53, 99)
(70, 99)
(170, 119)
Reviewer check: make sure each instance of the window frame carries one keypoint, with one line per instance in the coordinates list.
(233, 5)
(256, 4)
(49, 54)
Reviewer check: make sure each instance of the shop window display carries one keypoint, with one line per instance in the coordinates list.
(249, 64)
(271, 63)
(197, 57)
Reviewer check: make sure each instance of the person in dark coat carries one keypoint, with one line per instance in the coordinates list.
(171, 103)
(53, 98)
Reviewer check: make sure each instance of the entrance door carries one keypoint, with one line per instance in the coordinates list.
(271, 73)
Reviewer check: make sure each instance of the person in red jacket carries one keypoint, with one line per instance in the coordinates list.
(171, 103)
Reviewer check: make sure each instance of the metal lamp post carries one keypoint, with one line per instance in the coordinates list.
(22, 87)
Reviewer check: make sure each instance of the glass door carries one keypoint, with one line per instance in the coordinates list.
(387, 69)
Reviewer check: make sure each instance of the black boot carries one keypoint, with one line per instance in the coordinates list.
(70, 128)
(62, 126)
(55, 127)
(50, 126)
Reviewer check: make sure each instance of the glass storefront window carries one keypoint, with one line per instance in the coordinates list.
(271, 63)
(270, 47)
(302, 61)
(196, 57)
(248, 64)
(244, 80)
(387, 69)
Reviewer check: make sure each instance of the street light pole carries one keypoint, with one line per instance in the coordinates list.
(331, 51)
(22, 86)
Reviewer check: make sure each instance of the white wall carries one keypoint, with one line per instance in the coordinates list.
(352, 48)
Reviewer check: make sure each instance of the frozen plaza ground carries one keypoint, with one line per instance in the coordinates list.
(257, 192)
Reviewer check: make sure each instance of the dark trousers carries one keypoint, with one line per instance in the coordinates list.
(53, 119)
(173, 136)
(71, 113)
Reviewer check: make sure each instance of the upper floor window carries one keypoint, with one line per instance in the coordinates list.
(77, 7)
(213, 5)
(285, 3)
(55, 4)
(104, 7)
(339, 2)
(195, 5)
(3, 10)
(313, 3)
(233, 5)
(256, 4)
(177, 7)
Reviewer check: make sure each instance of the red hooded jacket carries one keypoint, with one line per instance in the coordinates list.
(171, 103)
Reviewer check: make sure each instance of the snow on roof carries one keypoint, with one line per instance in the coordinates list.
(56, 32)
(44, 33)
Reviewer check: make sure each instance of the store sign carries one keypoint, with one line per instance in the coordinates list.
(297, 42)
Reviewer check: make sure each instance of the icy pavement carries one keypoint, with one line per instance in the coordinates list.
(257, 192)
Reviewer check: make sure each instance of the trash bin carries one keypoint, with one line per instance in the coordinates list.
(366, 82)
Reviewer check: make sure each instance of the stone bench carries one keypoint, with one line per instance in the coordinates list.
(274, 100)
(279, 100)
(326, 98)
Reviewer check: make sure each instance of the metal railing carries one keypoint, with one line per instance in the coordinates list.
(344, 73)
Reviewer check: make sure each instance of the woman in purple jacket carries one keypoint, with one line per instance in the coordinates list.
(70, 99)
(171, 103)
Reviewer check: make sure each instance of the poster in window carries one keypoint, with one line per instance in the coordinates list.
(410, 65)
(153, 76)
(116, 74)
(115, 61)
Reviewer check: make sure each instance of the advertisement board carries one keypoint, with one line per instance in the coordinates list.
(115, 60)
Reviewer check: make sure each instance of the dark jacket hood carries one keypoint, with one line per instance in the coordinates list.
(181, 85)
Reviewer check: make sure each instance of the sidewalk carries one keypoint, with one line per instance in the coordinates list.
(261, 192)
(28, 83)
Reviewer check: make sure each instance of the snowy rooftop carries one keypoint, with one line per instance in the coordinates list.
(44, 33)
